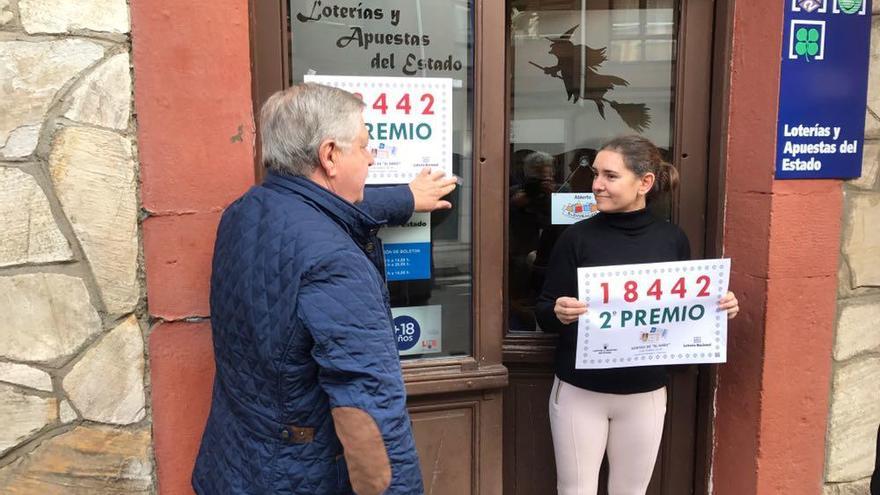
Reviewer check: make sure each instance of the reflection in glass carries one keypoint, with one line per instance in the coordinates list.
(583, 72)
(409, 38)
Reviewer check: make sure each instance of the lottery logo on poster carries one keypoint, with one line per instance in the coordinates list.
(409, 121)
(417, 329)
(652, 314)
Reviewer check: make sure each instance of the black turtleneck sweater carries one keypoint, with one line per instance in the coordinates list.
(605, 239)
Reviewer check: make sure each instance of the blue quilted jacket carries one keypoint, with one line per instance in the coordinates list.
(301, 324)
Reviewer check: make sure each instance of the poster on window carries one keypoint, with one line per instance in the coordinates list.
(409, 121)
(570, 208)
(408, 249)
(652, 314)
(418, 329)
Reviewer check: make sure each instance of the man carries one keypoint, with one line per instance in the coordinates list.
(308, 395)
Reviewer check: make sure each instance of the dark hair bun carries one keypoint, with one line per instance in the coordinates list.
(667, 178)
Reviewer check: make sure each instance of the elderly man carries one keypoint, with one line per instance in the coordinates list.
(308, 395)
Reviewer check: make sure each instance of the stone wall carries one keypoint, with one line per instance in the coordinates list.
(855, 401)
(73, 415)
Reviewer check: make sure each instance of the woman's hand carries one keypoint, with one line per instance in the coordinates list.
(568, 309)
(727, 303)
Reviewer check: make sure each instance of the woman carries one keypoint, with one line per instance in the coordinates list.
(619, 408)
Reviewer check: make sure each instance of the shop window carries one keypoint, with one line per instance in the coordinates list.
(401, 56)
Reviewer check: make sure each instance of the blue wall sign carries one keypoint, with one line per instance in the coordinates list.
(823, 89)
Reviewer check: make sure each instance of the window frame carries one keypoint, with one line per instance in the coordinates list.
(482, 370)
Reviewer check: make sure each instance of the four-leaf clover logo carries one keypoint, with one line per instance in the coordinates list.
(807, 42)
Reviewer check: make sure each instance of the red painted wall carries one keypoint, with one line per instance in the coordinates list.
(182, 371)
(772, 397)
(196, 147)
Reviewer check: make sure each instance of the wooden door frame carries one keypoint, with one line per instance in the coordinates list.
(484, 370)
(719, 112)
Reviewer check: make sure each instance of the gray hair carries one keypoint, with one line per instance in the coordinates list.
(294, 122)
(534, 163)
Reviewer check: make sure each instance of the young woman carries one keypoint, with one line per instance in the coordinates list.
(619, 409)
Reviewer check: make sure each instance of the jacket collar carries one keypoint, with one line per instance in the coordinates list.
(354, 220)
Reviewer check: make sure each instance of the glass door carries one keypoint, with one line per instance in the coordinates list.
(581, 73)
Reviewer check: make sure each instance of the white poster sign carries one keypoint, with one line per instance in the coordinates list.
(409, 120)
(652, 314)
(418, 329)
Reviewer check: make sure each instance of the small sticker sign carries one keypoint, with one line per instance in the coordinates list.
(417, 329)
(569, 208)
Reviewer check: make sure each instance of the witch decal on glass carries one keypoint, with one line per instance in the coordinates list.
(582, 80)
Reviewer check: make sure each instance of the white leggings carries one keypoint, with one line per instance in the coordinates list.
(584, 422)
